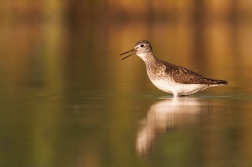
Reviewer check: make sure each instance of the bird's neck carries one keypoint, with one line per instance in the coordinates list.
(148, 58)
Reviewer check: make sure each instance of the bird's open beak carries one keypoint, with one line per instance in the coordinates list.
(132, 51)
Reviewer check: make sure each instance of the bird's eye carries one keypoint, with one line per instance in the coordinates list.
(142, 45)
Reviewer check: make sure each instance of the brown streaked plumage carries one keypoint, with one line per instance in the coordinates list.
(169, 77)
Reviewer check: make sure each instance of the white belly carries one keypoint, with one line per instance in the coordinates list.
(178, 89)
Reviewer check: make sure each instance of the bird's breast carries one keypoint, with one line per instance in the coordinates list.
(156, 72)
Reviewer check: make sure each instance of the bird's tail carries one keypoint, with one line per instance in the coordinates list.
(216, 82)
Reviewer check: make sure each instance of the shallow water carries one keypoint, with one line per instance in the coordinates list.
(68, 100)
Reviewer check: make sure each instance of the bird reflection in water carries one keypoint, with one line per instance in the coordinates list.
(166, 115)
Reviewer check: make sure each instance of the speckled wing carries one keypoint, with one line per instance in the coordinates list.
(185, 76)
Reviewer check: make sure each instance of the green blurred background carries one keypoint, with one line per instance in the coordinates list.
(54, 38)
(68, 100)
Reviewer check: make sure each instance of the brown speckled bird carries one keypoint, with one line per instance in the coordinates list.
(168, 77)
